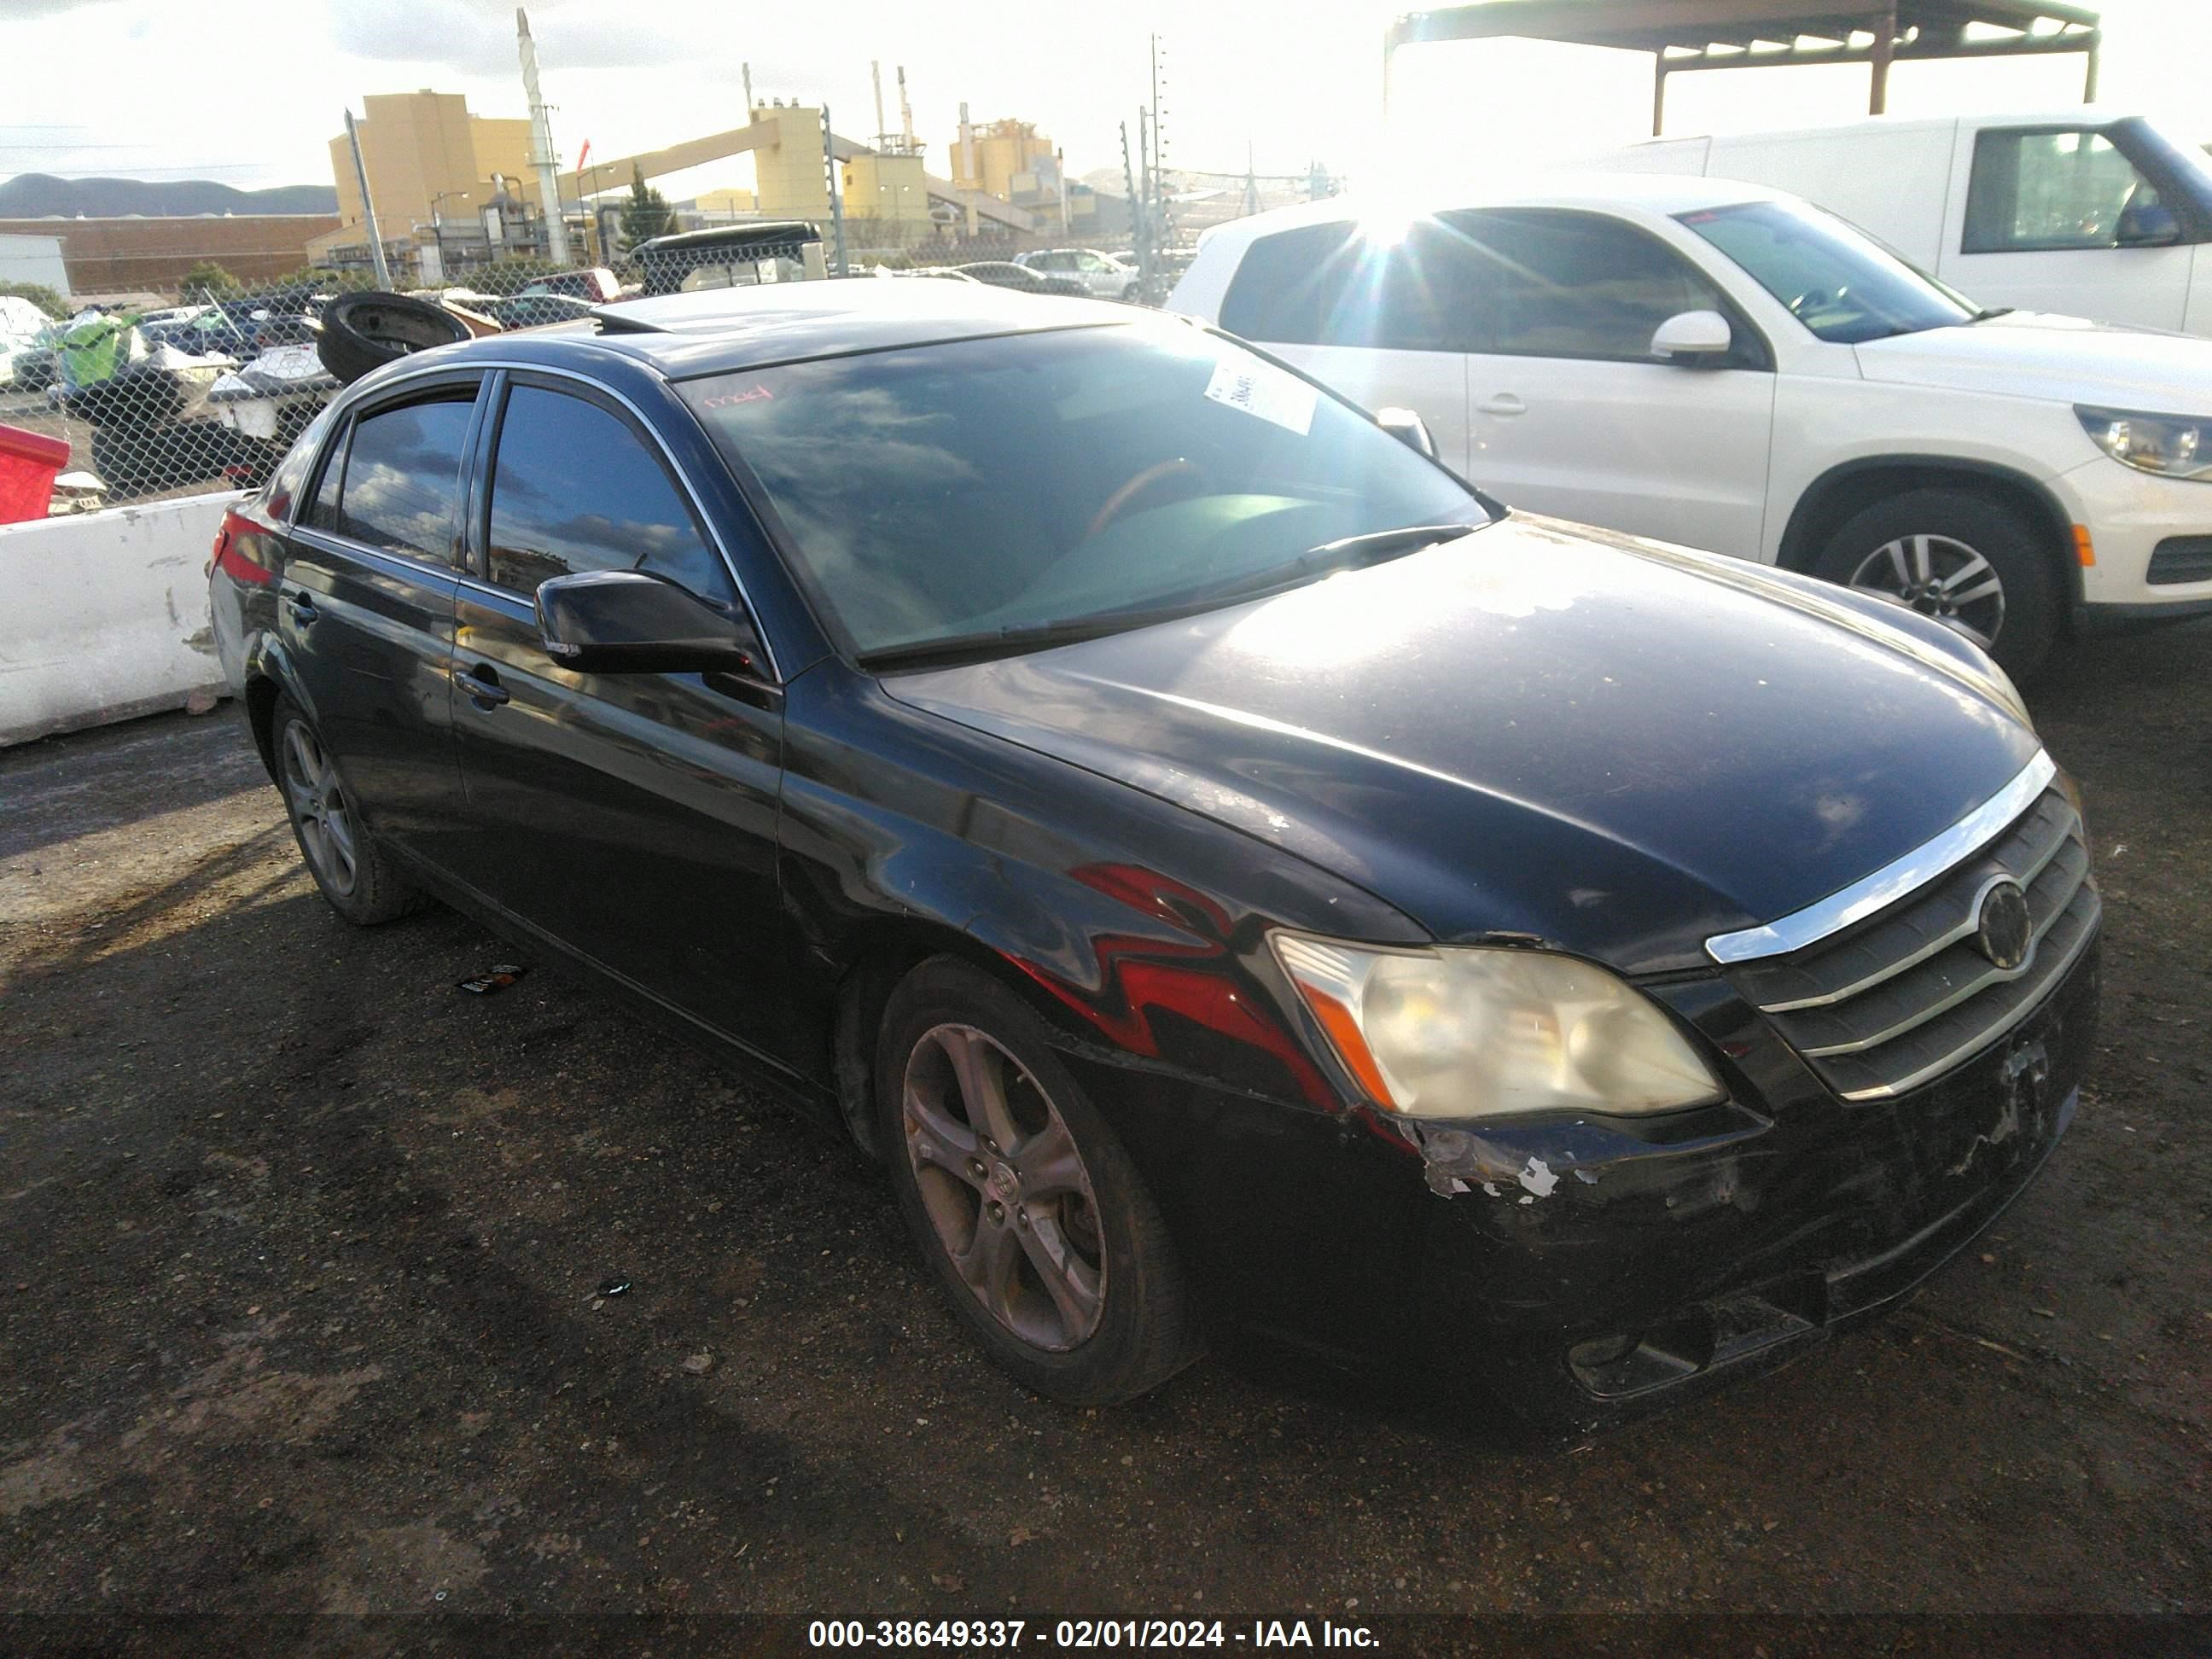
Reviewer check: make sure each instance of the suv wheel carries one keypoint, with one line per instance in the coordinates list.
(1971, 563)
(355, 874)
(1029, 1212)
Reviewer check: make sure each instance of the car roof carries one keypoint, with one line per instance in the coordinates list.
(721, 331)
(1663, 194)
(2092, 116)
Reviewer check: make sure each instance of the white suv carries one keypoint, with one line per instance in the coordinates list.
(1732, 369)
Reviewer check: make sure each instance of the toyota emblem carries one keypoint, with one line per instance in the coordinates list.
(2003, 930)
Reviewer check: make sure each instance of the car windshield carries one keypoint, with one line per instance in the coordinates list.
(952, 495)
(1838, 280)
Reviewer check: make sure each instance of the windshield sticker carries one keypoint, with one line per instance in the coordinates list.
(1258, 390)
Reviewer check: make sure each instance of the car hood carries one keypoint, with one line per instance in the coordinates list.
(2033, 354)
(1613, 746)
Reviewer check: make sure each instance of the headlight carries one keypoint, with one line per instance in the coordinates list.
(2174, 446)
(1466, 1032)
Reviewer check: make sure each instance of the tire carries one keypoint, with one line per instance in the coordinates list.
(356, 875)
(1123, 1322)
(362, 332)
(1899, 547)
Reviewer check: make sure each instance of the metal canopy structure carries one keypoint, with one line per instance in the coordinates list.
(1716, 34)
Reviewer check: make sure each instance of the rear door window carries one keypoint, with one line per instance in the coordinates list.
(403, 473)
(576, 487)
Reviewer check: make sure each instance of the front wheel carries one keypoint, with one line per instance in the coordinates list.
(1968, 561)
(1029, 1211)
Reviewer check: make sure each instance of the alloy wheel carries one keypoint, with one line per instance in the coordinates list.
(320, 809)
(1939, 576)
(1005, 1187)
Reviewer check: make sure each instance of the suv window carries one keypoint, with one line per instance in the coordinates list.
(1428, 290)
(2050, 190)
(1580, 284)
(575, 487)
(403, 473)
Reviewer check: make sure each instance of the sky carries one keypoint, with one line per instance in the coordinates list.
(252, 99)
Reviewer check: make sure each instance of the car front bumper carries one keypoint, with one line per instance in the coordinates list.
(1586, 1270)
(2130, 515)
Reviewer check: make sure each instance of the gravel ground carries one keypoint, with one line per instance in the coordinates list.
(297, 1311)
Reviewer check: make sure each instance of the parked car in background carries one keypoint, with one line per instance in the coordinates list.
(528, 310)
(2083, 211)
(1004, 273)
(1729, 367)
(1102, 275)
(596, 284)
(1216, 859)
(731, 256)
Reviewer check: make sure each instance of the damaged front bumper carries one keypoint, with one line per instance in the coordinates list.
(1609, 1266)
(1587, 1269)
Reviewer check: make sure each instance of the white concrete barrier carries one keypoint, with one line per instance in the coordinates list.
(104, 616)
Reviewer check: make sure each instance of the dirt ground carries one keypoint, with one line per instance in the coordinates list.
(298, 1309)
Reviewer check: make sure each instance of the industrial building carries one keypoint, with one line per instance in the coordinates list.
(149, 255)
(427, 159)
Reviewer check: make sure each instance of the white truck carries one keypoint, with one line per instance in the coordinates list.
(2088, 212)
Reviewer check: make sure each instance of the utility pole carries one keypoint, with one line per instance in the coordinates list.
(836, 195)
(543, 156)
(1163, 215)
(1136, 216)
(367, 207)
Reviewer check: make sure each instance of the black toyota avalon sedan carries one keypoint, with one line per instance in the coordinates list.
(1231, 872)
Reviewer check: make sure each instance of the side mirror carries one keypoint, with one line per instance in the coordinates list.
(625, 621)
(2148, 224)
(1693, 337)
(1408, 429)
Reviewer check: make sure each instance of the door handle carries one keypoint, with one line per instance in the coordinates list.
(303, 607)
(482, 683)
(1504, 403)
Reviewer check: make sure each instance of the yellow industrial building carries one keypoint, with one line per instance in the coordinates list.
(422, 148)
(990, 158)
(891, 188)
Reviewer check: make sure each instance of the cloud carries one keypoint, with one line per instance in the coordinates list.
(476, 37)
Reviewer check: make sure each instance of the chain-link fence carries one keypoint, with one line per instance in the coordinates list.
(204, 386)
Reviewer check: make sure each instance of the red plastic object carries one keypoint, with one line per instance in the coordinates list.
(29, 462)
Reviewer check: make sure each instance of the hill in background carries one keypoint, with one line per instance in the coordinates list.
(36, 195)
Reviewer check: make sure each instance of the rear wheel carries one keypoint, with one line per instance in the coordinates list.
(1968, 560)
(1031, 1213)
(356, 875)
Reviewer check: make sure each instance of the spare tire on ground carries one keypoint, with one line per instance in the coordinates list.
(362, 332)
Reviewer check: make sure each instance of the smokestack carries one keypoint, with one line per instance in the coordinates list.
(748, 68)
(906, 110)
(967, 151)
(876, 74)
(543, 156)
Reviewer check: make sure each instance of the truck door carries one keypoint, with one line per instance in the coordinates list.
(2068, 218)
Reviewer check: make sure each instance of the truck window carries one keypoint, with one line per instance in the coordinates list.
(2050, 191)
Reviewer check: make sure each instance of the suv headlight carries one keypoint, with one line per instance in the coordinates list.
(2172, 446)
(1476, 1031)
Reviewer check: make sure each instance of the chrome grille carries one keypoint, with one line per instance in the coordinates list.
(1905, 995)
